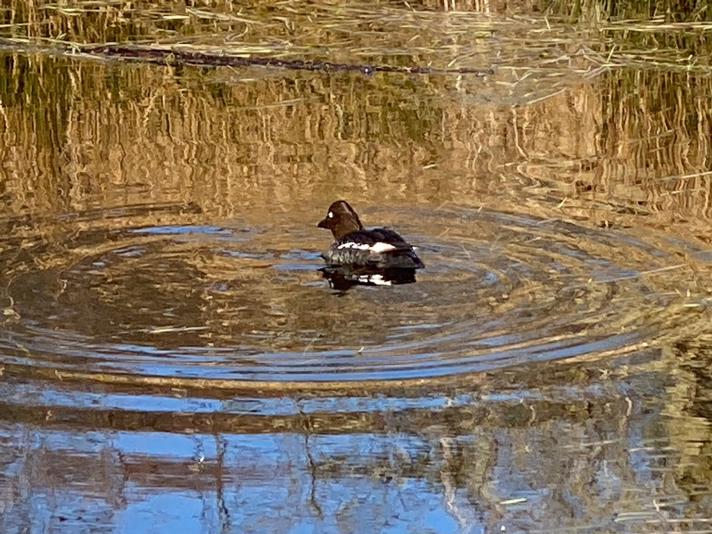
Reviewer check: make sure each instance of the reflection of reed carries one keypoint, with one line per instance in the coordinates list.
(629, 148)
(87, 133)
(689, 412)
(548, 402)
(276, 141)
(491, 455)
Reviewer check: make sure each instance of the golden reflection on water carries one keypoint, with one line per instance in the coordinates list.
(124, 136)
(158, 237)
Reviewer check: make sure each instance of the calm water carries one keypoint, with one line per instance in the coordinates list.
(171, 358)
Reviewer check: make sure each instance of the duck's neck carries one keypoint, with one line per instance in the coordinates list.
(345, 228)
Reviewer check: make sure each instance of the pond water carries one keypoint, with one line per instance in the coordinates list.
(171, 357)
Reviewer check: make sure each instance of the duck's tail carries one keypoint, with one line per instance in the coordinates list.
(403, 259)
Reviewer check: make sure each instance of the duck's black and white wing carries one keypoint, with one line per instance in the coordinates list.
(380, 247)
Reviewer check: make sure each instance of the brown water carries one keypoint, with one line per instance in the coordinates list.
(172, 359)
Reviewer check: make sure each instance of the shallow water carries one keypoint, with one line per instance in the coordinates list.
(171, 355)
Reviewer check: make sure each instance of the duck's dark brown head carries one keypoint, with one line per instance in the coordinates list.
(341, 219)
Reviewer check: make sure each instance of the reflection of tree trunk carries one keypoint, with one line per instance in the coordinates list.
(449, 482)
(313, 500)
(222, 507)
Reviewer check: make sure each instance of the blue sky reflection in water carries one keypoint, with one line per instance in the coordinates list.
(409, 471)
(172, 360)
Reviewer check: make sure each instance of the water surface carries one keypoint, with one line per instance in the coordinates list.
(171, 355)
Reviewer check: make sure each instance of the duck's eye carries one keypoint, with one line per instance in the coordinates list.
(330, 215)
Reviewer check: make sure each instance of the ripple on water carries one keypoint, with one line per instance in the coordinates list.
(240, 304)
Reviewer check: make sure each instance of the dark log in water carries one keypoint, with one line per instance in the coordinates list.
(173, 56)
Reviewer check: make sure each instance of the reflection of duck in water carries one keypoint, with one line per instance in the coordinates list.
(376, 257)
(343, 277)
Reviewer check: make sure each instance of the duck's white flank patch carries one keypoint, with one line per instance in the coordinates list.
(357, 246)
(377, 247)
(382, 247)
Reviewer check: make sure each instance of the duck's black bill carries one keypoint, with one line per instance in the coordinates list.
(323, 224)
(343, 278)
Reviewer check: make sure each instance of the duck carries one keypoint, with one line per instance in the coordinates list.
(354, 246)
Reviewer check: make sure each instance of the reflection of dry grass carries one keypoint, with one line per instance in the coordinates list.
(554, 133)
(453, 34)
(624, 148)
(90, 131)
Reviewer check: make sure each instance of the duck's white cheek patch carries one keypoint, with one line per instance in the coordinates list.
(376, 248)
